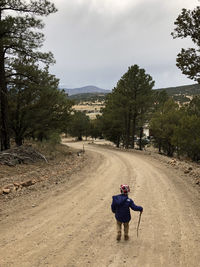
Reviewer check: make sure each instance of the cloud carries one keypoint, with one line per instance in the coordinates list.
(95, 41)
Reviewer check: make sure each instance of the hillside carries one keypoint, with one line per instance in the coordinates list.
(193, 89)
(85, 89)
(92, 97)
(182, 93)
(91, 103)
(92, 93)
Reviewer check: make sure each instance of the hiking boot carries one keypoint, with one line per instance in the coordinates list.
(118, 237)
(126, 237)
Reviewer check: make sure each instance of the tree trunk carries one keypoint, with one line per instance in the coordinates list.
(159, 147)
(18, 140)
(5, 139)
(141, 134)
(134, 130)
(118, 141)
(40, 137)
(170, 150)
(80, 138)
(128, 129)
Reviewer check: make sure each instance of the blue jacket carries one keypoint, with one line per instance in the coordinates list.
(121, 205)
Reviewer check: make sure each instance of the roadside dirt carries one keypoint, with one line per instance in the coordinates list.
(70, 223)
(34, 180)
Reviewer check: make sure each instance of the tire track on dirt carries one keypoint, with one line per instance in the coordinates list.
(74, 226)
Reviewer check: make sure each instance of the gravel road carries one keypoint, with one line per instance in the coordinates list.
(74, 226)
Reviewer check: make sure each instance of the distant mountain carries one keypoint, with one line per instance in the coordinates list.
(92, 93)
(85, 89)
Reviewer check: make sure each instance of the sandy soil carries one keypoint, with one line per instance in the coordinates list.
(73, 225)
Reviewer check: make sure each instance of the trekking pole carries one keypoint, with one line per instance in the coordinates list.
(139, 223)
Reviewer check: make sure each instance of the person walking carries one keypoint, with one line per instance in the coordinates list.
(121, 205)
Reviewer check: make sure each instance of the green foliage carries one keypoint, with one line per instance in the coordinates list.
(79, 125)
(188, 25)
(96, 128)
(126, 107)
(54, 138)
(19, 50)
(159, 98)
(187, 137)
(194, 107)
(177, 129)
(163, 124)
(111, 120)
(38, 109)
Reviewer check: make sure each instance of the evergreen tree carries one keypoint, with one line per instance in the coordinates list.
(163, 125)
(159, 99)
(37, 107)
(128, 104)
(194, 106)
(113, 118)
(18, 37)
(186, 136)
(79, 125)
(188, 25)
(96, 128)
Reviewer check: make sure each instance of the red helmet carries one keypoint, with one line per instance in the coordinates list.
(124, 188)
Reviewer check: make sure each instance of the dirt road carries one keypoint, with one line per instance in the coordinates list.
(74, 225)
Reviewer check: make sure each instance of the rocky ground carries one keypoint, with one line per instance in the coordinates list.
(190, 170)
(30, 170)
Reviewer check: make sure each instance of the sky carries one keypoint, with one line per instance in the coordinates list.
(95, 41)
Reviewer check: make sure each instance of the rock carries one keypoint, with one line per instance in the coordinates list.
(9, 186)
(28, 183)
(6, 190)
(16, 184)
(172, 162)
(14, 189)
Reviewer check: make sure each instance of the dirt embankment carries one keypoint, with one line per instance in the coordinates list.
(36, 167)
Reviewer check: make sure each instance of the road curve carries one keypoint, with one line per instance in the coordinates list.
(75, 227)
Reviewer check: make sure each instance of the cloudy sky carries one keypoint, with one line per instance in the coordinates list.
(95, 41)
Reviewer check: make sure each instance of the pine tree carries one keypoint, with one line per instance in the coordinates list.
(136, 87)
(127, 106)
(18, 37)
(188, 25)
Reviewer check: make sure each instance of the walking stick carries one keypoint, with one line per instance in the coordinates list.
(139, 223)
